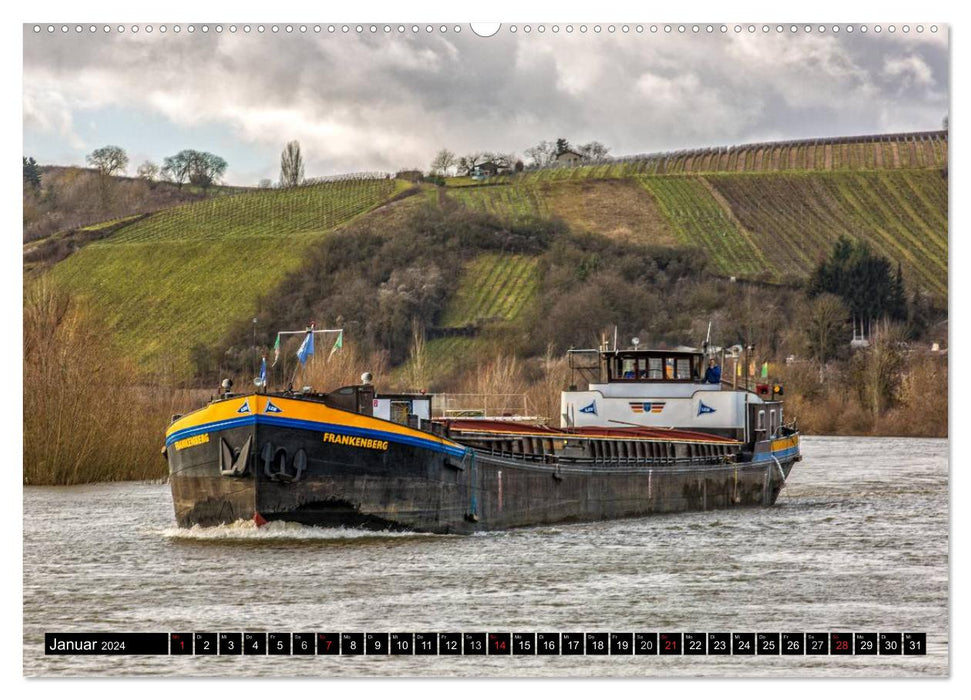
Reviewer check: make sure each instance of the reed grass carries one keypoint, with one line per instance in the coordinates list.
(86, 417)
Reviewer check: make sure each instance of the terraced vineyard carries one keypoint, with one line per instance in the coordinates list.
(493, 288)
(316, 207)
(184, 276)
(699, 220)
(795, 218)
(926, 149)
(771, 226)
(515, 200)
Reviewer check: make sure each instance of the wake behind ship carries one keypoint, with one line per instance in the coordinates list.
(646, 436)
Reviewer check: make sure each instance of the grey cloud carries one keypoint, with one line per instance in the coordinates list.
(380, 102)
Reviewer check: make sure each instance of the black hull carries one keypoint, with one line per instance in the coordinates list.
(415, 488)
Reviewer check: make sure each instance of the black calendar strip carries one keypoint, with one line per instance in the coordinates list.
(486, 643)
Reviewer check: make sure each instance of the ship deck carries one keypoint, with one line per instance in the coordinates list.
(499, 428)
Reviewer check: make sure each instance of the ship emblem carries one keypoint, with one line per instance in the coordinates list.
(704, 408)
(647, 406)
(271, 408)
(244, 408)
(592, 408)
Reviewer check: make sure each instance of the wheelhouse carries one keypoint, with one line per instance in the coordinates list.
(652, 366)
(638, 366)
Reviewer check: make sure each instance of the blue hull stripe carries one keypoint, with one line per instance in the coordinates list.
(778, 454)
(210, 427)
(362, 432)
(315, 427)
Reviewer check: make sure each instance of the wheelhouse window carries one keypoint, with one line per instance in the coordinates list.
(683, 365)
(655, 368)
(631, 367)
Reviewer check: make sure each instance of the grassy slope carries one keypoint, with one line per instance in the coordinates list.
(614, 208)
(492, 288)
(753, 225)
(183, 276)
(795, 218)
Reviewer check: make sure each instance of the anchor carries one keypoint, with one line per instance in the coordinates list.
(231, 463)
(275, 464)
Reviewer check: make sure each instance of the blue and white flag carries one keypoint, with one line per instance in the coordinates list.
(306, 347)
(263, 372)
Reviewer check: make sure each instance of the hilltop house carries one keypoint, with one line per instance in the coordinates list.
(569, 157)
(484, 170)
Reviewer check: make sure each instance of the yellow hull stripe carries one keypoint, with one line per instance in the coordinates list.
(243, 410)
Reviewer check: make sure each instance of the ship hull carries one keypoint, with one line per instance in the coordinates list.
(333, 468)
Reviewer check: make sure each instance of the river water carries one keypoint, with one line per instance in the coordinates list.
(857, 542)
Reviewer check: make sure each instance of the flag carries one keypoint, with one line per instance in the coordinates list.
(306, 347)
(276, 350)
(765, 370)
(338, 344)
(263, 372)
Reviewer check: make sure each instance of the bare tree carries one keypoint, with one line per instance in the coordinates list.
(108, 160)
(594, 151)
(176, 168)
(148, 171)
(467, 163)
(417, 368)
(541, 154)
(207, 169)
(824, 324)
(291, 165)
(265, 183)
(198, 167)
(877, 370)
(443, 162)
(505, 161)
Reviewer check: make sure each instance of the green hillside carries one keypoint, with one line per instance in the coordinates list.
(184, 276)
(926, 149)
(188, 275)
(492, 288)
(794, 219)
(767, 226)
(698, 219)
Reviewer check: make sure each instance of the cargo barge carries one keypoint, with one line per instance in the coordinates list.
(647, 435)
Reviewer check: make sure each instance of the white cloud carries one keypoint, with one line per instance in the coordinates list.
(910, 70)
(47, 111)
(381, 102)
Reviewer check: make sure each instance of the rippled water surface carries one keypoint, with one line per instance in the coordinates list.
(857, 542)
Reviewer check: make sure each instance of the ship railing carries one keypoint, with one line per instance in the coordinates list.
(494, 406)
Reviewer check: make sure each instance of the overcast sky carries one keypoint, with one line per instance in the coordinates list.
(389, 101)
